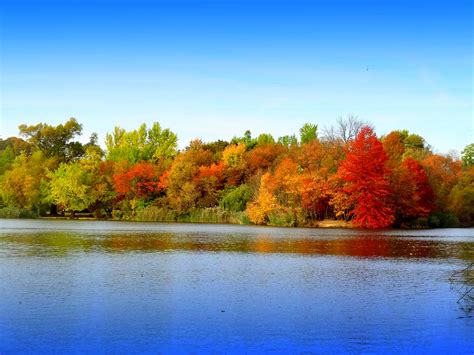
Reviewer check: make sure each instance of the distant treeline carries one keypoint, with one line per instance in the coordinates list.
(342, 173)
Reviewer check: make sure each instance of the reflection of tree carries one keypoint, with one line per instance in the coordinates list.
(362, 246)
(370, 245)
(462, 281)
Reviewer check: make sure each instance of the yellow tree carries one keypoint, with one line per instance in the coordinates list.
(20, 186)
(259, 210)
(234, 163)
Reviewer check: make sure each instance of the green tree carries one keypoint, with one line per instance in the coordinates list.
(414, 141)
(308, 133)
(71, 187)
(468, 156)
(413, 145)
(288, 141)
(236, 199)
(142, 144)
(55, 141)
(246, 139)
(265, 138)
(83, 184)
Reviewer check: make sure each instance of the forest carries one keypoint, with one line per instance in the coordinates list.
(343, 173)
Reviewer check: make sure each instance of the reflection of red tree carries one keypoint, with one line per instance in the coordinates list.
(370, 247)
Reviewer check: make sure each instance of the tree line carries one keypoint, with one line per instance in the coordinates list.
(344, 173)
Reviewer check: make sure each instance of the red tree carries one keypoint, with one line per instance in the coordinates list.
(140, 180)
(365, 174)
(209, 180)
(412, 194)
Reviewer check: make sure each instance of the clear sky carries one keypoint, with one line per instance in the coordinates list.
(216, 68)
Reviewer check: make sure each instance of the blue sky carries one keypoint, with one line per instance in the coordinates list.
(216, 68)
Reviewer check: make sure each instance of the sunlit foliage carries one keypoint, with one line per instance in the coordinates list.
(367, 184)
(468, 156)
(142, 144)
(55, 141)
(342, 173)
(21, 184)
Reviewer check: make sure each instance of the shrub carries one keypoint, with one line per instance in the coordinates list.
(117, 214)
(236, 199)
(442, 220)
(286, 218)
(281, 219)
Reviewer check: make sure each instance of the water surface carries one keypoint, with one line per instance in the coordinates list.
(82, 286)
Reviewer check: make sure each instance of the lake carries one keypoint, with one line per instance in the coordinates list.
(117, 287)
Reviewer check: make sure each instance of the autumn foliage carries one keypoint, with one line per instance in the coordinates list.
(138, 180)
(345, 173)
(366, 181)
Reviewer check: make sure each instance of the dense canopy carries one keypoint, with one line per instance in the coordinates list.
(343, 173)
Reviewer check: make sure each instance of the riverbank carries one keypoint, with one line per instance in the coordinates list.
(217, 215)
(320, 224)
(200, 216)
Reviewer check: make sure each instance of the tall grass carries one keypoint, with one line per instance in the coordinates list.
(13, 212)
(287, 218)
(204, 215)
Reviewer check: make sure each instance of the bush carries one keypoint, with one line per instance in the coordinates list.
(236, 199)
(281, 219)
(442, 220)
(414, 223)
(286, 218)
(117, 214)
(13, 212)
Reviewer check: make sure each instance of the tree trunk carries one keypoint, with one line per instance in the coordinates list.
(53, 210)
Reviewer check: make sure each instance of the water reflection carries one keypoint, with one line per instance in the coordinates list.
(112, 287)
(366, 246)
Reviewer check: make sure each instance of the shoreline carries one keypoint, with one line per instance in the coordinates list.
(324, 224)
(320, 224)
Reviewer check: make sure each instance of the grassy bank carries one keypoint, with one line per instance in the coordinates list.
(220, 215)
(13, 212)
(223, 216)
(205, 215)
